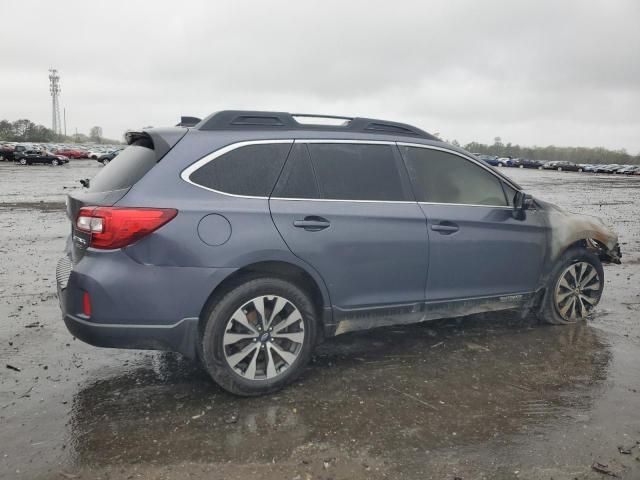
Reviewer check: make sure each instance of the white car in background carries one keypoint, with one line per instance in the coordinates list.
(94, 154)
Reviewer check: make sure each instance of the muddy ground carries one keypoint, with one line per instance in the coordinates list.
(488, 396)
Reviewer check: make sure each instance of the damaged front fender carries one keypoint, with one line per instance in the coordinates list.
(568, 229)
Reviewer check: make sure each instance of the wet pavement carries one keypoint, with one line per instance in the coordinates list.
(487, 396)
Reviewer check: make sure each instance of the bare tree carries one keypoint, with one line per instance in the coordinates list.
(95, 134)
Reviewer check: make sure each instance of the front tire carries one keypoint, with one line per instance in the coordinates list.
(259, 337)
(105, 162)
(54, 162)
(23, 161)
(574, 288)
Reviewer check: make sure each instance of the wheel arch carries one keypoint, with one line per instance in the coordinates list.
(310, 282)
(595, 246)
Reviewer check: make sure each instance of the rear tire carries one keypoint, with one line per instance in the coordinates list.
(253, 342)
(559, 169)
(580, 170)
(574, 288)
(105, 162)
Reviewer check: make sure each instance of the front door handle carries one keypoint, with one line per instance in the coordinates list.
(312, 223)
(445, 228)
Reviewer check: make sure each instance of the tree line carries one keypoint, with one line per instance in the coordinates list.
(25, 130)
(551, 152)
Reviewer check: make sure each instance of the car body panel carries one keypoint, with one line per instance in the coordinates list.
(373, 253)
(478, 260)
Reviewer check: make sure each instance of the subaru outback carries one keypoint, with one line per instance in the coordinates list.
(246, 238)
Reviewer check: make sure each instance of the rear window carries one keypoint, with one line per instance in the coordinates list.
(251, 170)
(125, 169)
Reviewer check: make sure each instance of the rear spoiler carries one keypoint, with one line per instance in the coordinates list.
(160, 140)
(188, 122)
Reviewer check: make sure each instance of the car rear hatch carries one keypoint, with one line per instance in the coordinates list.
(114, 180)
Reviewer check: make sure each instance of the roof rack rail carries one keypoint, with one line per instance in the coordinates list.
(240, 119)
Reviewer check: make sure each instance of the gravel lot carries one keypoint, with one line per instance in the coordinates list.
(488, 396)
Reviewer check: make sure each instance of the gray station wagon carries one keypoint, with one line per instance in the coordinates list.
(244, 239)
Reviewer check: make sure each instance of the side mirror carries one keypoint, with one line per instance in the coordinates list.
(522, 201)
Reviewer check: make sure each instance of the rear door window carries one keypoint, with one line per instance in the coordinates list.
(251, 170)
(297, 179)
(358, 171)
(441, 177)
(126, 169)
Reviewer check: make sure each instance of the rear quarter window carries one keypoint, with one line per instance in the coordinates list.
(251, 170)
(125, 169)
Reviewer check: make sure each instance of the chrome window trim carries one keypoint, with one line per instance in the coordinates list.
(328, 140)
(472, 160)
(341, 200)
(186, 173)
(507, 207)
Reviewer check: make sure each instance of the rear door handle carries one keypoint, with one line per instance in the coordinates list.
(445, 228)
(312, 223)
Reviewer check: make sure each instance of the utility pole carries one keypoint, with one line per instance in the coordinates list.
(54, 88)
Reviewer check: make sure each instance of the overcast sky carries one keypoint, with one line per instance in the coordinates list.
(532, 72)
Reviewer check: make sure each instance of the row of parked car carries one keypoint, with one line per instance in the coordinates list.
(29, 154)
(559, 165)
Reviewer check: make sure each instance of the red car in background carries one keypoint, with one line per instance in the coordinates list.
(71, 153)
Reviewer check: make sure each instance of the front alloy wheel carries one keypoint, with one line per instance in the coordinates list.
(577, 291)
(263, 338)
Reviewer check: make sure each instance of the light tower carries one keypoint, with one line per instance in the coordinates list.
(54, 88)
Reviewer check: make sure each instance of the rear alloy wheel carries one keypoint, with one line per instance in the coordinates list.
(23, 161)
(559, 169)
(263, 338)
(105, 162)
(520, 166)
(574, 289)
(54, 162)
(579, 169)
(259, 337)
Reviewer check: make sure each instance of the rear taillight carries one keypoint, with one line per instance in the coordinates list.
(112, 227)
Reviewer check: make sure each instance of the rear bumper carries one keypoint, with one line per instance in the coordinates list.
(179, 337)
(133, 305)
